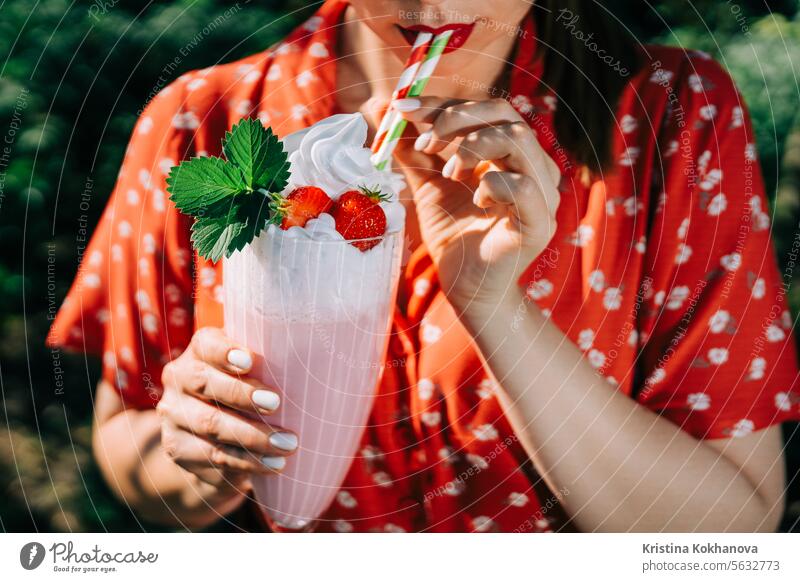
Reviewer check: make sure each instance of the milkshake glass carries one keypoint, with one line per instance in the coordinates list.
(317, 316)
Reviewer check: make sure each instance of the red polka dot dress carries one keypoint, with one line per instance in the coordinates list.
(662, 271)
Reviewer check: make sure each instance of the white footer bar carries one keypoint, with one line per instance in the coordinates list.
(399, 557)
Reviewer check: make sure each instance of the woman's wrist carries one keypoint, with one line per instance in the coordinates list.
(159, 489)
(202, 504)
(496, 311)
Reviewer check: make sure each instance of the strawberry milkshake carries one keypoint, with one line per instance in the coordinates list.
(312, 297)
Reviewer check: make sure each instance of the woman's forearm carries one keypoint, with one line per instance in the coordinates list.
(127, 447)
(625, 467)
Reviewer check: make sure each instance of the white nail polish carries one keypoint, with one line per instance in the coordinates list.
(423, 140)
(449, 167)
(240, 359)
(276, 463)
(407, 104)
(266, 399)
(283, 440)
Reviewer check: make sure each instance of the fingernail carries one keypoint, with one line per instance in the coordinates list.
(266, 399)
(449, 167)
(423, 140)
(240, 359)
(407, 104)
(283, 440)
(276, 463)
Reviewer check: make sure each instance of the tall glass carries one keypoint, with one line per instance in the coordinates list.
(317, 315)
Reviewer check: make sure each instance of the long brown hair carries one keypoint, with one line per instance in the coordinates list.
(588, 76)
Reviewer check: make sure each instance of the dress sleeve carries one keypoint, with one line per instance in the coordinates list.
(131, 300)
(718, 356)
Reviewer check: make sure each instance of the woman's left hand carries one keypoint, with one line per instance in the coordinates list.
(490, 210)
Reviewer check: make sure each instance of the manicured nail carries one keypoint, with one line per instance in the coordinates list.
(423, 140)
(407, 104)
(449, 167)
(276, 463)
(283, 440)
(266, 399)
(240, 359)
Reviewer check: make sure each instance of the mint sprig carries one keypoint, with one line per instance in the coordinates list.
(230, 198)
(197, 183)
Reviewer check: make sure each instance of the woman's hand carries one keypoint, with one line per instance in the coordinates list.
(203, 428)
(489, 210)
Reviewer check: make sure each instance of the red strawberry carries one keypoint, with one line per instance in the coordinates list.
(301, 205)
(358, 215)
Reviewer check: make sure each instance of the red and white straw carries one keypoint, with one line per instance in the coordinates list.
(418, 52)
(396, 125)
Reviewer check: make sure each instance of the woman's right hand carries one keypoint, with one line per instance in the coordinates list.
(203, 428)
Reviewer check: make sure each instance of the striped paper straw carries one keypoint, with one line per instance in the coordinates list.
(398, 125)
(418, 51)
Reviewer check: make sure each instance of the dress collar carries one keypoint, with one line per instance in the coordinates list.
(527, 66)
(322, 30)
(310, 52)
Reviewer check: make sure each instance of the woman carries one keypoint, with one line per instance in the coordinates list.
(591, 337)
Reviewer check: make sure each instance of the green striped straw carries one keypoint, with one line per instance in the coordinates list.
(398, 125)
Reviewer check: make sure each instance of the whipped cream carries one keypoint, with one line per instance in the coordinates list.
(311, 273)
(331, 155)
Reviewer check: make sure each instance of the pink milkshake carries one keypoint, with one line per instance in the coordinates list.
(316, 311)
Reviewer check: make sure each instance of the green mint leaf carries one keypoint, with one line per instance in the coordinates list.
(211, 236)
(230, 224)
(275, 175)
(255, 211)
(196, 184)
(229, 198)
(258, 154)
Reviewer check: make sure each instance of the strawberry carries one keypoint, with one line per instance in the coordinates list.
(358, 215)
(301, 205)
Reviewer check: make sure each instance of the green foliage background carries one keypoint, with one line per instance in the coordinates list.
(73, 76)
